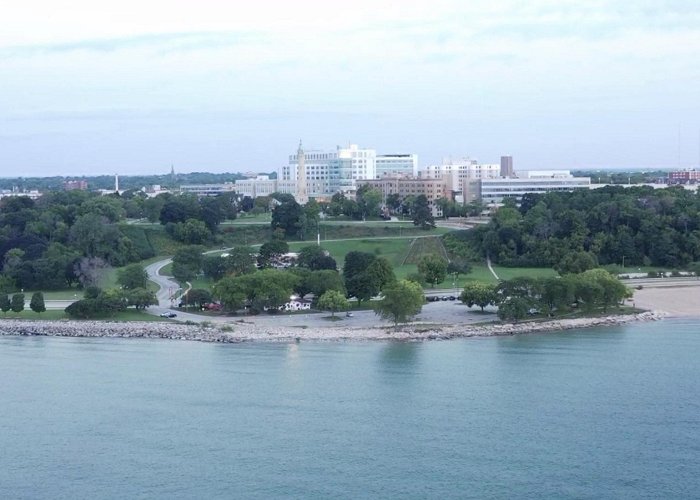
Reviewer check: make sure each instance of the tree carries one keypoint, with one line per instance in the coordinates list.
(446, 206)
(216, 209)
(187, 263)
(197, 297)
(191, 232)
(557, 293)
(433, 268)
(382, 271)
(611, 291)
(514, 308)
(312, 217)
(288, 217)
(368, 200)
(577, 262)
(231, 292)
(17, 302)
(422, 215)
(90, 270)
(5, 304)
(315, 258)
(393, 201)
(267, 289)
(111, 301)
(402, 300)
(140, 298)
(356, 262)
(479, 294)
(240, 260)
(83, 309)
(179, 209)
(333, 301)
(37, 303)
(362, 286)
(319, 282)
(458, 266)
(271, 252)
(132, 276)
(214, 266)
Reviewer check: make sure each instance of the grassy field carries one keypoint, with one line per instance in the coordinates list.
(263, 218)
(420, 247)
(507, 273)
(29, 314)
(394, 250)
(130, 315)
(403, 254)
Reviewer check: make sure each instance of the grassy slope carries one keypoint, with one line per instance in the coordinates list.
(130, 315)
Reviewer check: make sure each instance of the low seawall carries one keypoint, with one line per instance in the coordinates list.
(243, 332)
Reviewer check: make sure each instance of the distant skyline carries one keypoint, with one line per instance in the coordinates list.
(90, 88)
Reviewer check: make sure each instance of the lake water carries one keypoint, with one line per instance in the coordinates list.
(600, 413)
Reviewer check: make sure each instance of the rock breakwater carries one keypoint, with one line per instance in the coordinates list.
(243, 332)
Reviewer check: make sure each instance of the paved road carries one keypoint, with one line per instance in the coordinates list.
(53, 305)
(167, 289)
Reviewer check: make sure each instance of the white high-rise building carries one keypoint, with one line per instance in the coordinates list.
(328, 172)
(458, 172)
(397, 164)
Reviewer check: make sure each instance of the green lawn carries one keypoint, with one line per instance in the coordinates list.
(166, 270)
(109, 277)
(202, 282)
(129, 315)
(507, 273)
(394, 250)
(29, 314)
(263, 218)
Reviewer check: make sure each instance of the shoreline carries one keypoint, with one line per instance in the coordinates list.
(246, 332)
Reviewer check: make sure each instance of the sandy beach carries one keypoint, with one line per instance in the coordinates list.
(672, 300)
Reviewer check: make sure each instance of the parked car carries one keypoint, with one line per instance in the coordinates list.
(168, 314)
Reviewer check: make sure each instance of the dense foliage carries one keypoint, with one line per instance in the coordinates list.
(402, 301)
(590, 290)
(578, 230)
(51, 243)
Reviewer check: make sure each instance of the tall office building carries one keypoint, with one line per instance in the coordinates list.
(506, 166)
(457, 173)
(328, 172)
(397, 164)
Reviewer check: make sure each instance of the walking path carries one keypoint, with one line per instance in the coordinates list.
(488, 263)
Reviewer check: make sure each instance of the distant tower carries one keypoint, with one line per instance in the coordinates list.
(302, 195)
(172, 174)
(506, 166)
(116, 183)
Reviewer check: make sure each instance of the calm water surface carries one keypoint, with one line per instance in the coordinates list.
(611, 413)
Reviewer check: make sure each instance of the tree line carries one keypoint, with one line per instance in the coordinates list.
(595, 289)
(583, 229)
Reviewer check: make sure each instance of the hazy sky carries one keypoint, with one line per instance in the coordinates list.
(91, 87)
